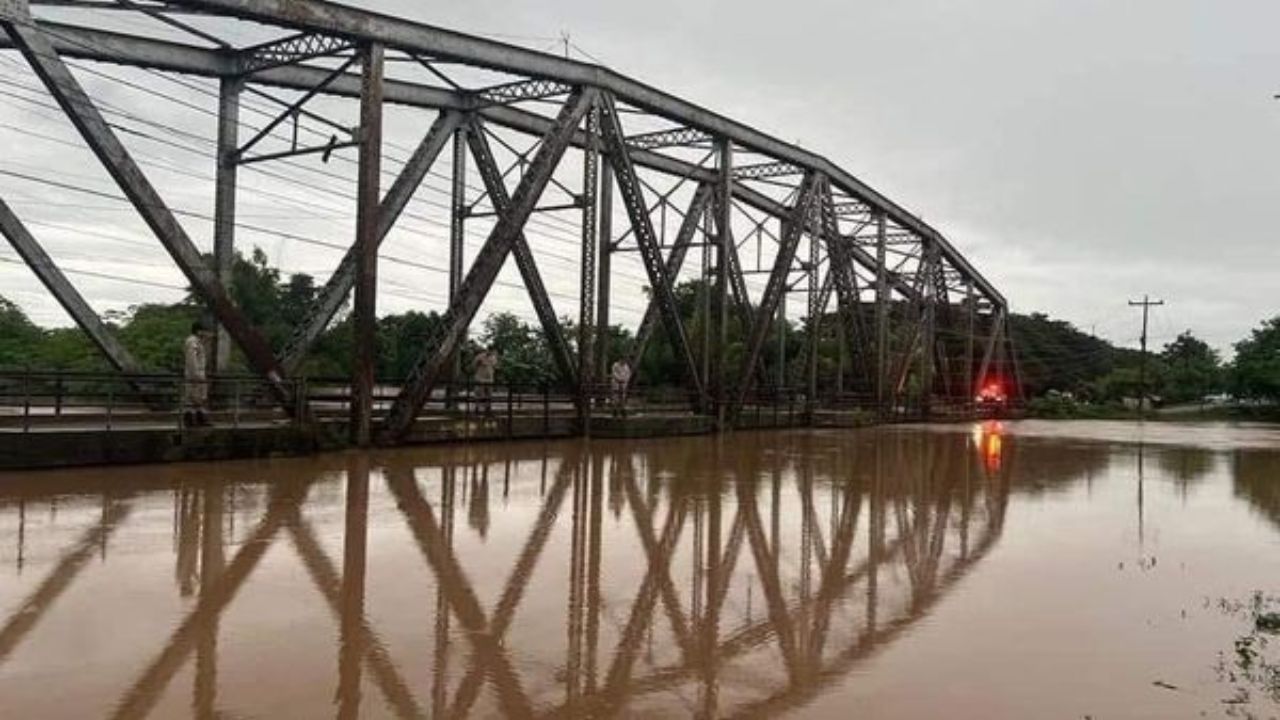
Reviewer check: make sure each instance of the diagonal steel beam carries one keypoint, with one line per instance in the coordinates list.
(497, 189)
(436, 356)
(79, 108)
(845, 276)
(107, 46)
(64, 292)
(737, 282)
(675, 261)
(792, 231)
(332, 18)
(642, 226)
(339, 286)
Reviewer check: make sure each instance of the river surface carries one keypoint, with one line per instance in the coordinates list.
(1025, 570)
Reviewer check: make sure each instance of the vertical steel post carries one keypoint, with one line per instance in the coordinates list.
(603, 277)
(840, 348)
(815, 327)
(997, 330)
(782, 343)
(882, 314)
(368, 197)
(970, 383)
(587, 289)
(720, 305)
(704, 304)
(929, 341)
(457, 229)
(224, 203)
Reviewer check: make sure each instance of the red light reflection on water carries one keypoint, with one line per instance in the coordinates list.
(990, 439)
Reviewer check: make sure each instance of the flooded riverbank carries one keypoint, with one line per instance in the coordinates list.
(1027, 570)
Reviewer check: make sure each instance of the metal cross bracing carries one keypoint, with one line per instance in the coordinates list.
(856, 565)
(899, 283)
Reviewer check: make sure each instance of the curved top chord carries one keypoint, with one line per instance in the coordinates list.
(316, 18)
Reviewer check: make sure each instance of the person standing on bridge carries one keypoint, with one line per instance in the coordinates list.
(195, 386)
(485, 365)
(619, 382)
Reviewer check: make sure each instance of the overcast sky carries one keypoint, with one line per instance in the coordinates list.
(1080, 152)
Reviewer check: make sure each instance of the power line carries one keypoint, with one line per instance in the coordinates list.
(192, 137)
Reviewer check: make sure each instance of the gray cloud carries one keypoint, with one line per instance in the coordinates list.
(1081, 152)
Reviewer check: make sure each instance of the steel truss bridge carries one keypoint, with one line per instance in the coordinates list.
(756, 585)
(644, 174)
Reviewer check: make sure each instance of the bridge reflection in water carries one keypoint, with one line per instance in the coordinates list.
(735, 577)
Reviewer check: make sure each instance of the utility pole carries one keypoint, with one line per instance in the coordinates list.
(1146, 305)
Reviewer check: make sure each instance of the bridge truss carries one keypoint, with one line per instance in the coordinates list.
(646, 176)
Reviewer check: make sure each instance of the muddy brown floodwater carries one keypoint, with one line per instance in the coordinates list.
(1031, 570)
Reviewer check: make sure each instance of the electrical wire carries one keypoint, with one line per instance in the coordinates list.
(193, 137)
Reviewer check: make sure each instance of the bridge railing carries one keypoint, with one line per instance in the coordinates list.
(32, 400)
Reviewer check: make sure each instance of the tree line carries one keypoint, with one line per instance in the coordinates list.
(1053, 355)
(1056, 356)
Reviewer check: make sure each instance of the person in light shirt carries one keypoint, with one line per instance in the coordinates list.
(195, 386)
(619, 381)
(483, 368)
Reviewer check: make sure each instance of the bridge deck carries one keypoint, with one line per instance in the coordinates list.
(91, 440)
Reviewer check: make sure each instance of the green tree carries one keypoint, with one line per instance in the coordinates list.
(154, 333)
(1054, 355)
(19, 337)
(523, 356)
(400, 342)
(1256, 373)
(1188, 369)
(70, 349)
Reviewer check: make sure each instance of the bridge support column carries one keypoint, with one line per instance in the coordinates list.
(368, 198)
(224, 203)
(815, 323)
(993, 342)
(632, 192)
(929, 330)
(604, 256)
(793, 228)
(718, 382)
(587, 336)
(882, 317)
(439, 349)
(458, 228)
(969, 384)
